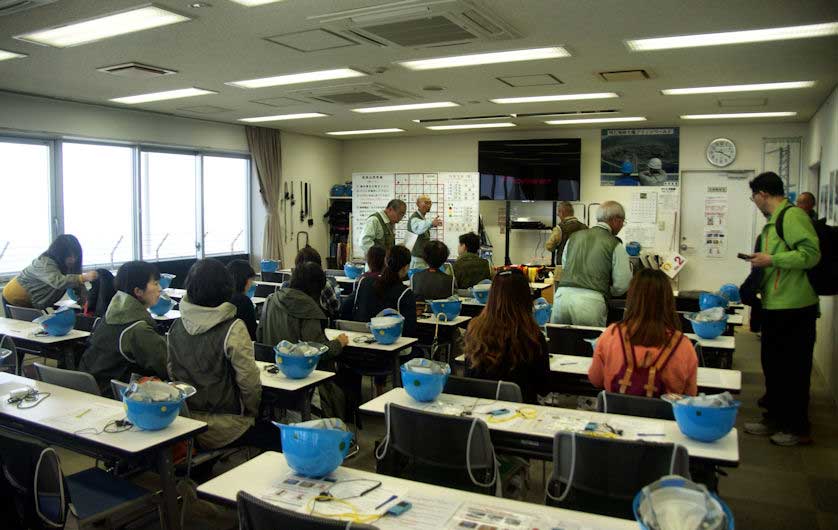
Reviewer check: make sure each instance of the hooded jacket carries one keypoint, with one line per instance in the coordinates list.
(124, 343)
(210, 349)
(45, 284)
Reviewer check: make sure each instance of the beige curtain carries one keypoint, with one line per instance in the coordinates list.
(266, 151)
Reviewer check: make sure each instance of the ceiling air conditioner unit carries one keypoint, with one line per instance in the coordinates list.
(420, 23)
(7, 7)
(354, 94)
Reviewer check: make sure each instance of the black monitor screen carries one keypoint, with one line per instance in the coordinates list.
(530, 170)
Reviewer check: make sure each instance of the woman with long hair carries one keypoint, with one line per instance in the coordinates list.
(504, 343)
(388, 292)
(646, 354)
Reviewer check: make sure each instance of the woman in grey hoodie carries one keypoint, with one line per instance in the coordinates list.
(210, 349)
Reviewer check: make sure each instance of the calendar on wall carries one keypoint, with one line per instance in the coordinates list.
(455, 199)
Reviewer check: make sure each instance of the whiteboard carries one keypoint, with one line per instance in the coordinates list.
(455, 199)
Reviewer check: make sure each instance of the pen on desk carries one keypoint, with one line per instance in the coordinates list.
(565, 364)
(83, 413)
(392, 497)
(651, 434)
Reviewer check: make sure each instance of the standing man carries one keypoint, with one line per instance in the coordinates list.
(806, 201)
(594, 266)
(789, 312)
(417, 224)
(380, 228)
(561, 233)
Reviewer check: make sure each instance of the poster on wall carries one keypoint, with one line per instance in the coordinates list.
(715, 222)
(783, 157)
(640, 157)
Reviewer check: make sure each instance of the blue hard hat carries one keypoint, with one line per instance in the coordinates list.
(627, 167)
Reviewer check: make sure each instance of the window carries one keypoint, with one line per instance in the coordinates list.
(169, 194)
(25, 181)
(225, 205)
(98, 189)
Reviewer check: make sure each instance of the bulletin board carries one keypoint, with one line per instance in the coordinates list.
(455, 196)
(652, 217)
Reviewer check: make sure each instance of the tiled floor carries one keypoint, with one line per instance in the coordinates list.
(774, 488)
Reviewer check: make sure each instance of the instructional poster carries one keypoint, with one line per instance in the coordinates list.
(455, 198)
(715, 222)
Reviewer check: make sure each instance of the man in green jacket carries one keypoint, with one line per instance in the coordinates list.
(789, 312)
(380, 227)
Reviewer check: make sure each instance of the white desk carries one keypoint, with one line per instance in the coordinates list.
(263, 472)
(19, 329)
(258, 300)
(374, 347)
(735, 319)
(172, 314)
(430, 320)
(539, 286)
(273, 284)
(298, 391)
(175, 293)
(536, 436)
(58, 418)
(722, 342)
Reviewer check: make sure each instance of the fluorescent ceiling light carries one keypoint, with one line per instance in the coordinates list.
(293, 79)
(596, 120)
(4, 55)
(103, 27)
(251, 3)
(558, 97)
(734, 37)
(160, 96)
(469, 126)
(737, 115)
(280, 117)
(364, 131)
(533, 54)
(737, 88)
(412, 106)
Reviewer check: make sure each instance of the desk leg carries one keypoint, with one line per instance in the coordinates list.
(396, 372)
(305, 403)
(166, 470)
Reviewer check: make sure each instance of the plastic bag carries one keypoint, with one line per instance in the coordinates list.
(714, 314)
(385, 322)
(152, 391)
(427, 366)
(675, 503)
(301, 349)
(702, 400)
(323, 423)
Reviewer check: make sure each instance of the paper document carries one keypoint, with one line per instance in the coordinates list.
(93, 418)
(410, 239)
(426, 513)
(484, 517)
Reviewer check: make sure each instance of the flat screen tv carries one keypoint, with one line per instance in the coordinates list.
(530, 170)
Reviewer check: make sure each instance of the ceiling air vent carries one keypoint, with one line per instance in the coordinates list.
(354, 94)
(625, 75)
(136, 70)
(742, 102)
(7, 7)
(420, 23)
(518, 115)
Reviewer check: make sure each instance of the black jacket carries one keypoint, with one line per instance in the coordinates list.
(368, 304)
(245, 312)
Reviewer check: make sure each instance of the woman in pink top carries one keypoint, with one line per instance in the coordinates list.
(646, 354)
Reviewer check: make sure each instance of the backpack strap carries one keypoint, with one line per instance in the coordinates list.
(663, 358)
(628, 353)
(778, 225)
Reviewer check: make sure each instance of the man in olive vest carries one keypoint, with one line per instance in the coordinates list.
(595, 265)
(417, 224)
(380, 228)
(561, 233)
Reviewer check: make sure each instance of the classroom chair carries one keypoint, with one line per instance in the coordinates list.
(256, 514)
(81, 381)
(86, 323)
(459, 455)
(483, 388)
(263, 291)
(264, 352)
(277, 277)
(570, 340)
(9, 360)
(47, 499)
(602, 475)
(627, 405)
(27, 314)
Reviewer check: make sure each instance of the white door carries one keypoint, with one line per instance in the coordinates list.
(718, 221)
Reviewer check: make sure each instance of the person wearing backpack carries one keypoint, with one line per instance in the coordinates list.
(788, 248)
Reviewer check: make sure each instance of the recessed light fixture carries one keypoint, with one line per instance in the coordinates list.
(84, 31)
(734, 37)
(737, 88)
(280, 117)
(557, 97)
(252, 3)
(533, 54)
(364, 131)
(160, 96)
(411, 106)
(595, 120)
(199, 5)
(293, 79)
(5, 55)
(469, 126)
(737, 115)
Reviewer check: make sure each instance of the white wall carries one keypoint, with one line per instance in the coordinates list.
(823, 150)
(458, 152)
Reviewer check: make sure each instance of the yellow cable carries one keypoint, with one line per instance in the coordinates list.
(352, 516)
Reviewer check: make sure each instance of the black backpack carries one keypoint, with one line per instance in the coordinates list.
(824, 275)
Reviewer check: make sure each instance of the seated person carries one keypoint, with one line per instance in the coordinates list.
(125, 341)
(470, 269)
(375, 263)
(504, 342)
(432, 283)
(648, 336)
(243, 275)
(294, 314)
(330, 296)
(388, 292)
(210, 349)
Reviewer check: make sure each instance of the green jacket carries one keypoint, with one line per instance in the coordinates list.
(785, 284)
(588, 260)
(470, 269)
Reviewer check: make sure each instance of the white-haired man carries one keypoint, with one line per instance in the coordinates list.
(419, 225)
(595, 266)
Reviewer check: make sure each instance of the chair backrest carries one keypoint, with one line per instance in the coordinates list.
(81, 381)
(86, 323)
(483, 388)
(264, 352)
(352, 325)
(334, 272)
(602, 475)
(459, 455)
(117, 387)
(27, 314)
(273, 276)
(8, 355)
(256, 514)
(263, 290)
(567, 340)
(35, 493)
(644, 407)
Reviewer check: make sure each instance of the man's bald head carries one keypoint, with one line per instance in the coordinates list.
(806, 201)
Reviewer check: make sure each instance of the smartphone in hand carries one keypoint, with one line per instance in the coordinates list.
(746, 257)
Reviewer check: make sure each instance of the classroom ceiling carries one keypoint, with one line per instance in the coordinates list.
(226, 41)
